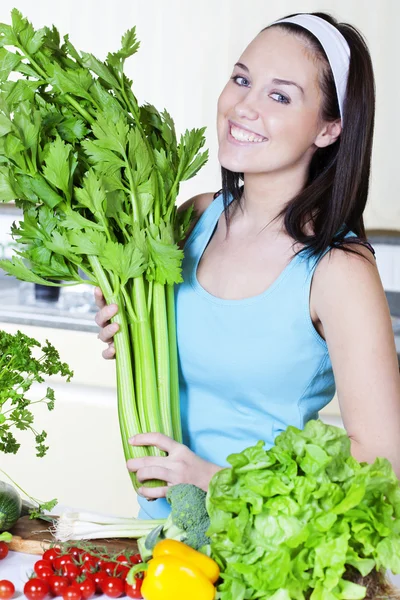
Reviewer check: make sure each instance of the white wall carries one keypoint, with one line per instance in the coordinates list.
(188, 50)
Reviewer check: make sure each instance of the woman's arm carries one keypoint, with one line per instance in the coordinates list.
(352, 306)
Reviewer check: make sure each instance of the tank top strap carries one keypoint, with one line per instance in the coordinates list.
(205, 226)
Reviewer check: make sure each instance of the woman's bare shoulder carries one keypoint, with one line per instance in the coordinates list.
(199, 202)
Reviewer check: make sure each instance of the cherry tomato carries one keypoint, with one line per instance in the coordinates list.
(109, 567)
(62, 560)
(3, 550)
(75, 552)
(45, 574)
(7, 589)
(98, 578)
(87, 558)
(121, 558)
(122, 571)
(113, 587)
(42, 564)
(36, 589)
(71, 571)
(135, 559)
(88, 588)
(87, 570)
(134, 591)
(51, 554)
(72, 592)
(58, 584)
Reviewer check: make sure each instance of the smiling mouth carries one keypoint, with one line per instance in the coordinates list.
(242, 135)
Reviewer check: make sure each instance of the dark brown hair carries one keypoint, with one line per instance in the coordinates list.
(337, 186)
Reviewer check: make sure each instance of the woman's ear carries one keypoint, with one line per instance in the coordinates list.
(328, 134)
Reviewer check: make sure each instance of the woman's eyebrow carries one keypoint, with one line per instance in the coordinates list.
(276, 81)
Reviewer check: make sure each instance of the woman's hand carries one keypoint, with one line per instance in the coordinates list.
(108, 330)
(180, 466)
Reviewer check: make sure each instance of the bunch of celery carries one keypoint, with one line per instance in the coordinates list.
(97, 177)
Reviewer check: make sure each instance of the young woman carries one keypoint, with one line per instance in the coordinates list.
(281, 300)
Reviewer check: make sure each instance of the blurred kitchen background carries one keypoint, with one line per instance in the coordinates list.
(186, 56)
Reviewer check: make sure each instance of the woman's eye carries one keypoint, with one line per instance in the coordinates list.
(284, 99)
(235, 78)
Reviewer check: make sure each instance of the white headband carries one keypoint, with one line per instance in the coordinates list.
(335, 45)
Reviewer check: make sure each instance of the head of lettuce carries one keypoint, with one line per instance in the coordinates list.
(304, 520)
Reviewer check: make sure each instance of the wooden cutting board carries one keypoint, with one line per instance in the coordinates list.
(33, 536)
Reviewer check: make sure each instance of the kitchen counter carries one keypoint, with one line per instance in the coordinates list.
(75, 309)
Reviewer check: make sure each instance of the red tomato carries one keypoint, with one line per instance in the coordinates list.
(122, 559)
(36, 589)
(88, 588)
(71, 571)
(113, 587)
(75, 552)
(42, 564)
(109, 567)
(3, 550)
(45, 574)
(98, 578)
(62, 560)
(134, 591)
(58, 584)
(135, 559)
(72, 592)
(122, 571)
(51, 554)
(7, 589)
(87, 570)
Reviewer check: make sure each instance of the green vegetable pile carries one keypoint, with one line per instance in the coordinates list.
(287, 522)
(24, 361)
(97, 176)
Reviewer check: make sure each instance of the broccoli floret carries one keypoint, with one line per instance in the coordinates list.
(188, 514)
(188, 521)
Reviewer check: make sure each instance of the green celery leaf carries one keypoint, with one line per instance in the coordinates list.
(92, 243)
(7, 193)
(75, 220)
(165, 256)
(8, 62)
(99, 156)
(72, 129)
(44, 192)
(139, 157)
(92, 195)
(127, 261)
(100, 69)
(110, 135)
(22, 90)
(5, 125)
(129, 46)
(76, 82)
(20, 270)
(57, 165)
(60, 244)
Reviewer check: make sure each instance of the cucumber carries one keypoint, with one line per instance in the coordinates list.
(10, 506)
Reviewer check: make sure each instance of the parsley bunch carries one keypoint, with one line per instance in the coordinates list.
(97, 176)
(19, 369)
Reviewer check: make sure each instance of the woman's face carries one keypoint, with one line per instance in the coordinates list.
(275, 123)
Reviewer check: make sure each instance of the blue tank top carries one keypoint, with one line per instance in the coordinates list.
(249, 367)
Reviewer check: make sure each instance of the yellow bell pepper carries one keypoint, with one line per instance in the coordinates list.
(177, 572)
(174, 548)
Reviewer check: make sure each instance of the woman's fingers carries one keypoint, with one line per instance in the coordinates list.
(109, 352)
(104, 315)
(106, 334)
(99, 298)
(161, 441)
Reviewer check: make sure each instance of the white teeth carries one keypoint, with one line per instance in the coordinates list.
(241, 135)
